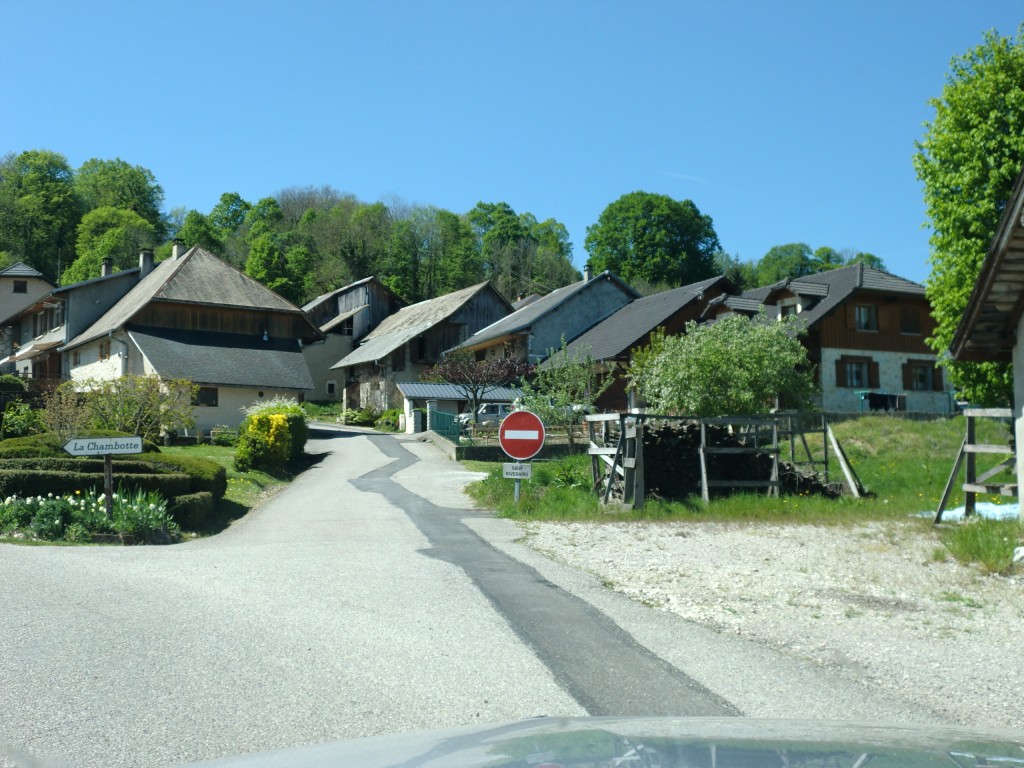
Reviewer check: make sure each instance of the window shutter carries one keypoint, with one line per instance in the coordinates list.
(908, 376)
(873, 374)
(937, 379)
(840, 373)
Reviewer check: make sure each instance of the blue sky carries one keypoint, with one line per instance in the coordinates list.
(783, 121)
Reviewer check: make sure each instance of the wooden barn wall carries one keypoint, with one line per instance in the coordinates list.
(839, 329)
(222, 320)
(483, 309)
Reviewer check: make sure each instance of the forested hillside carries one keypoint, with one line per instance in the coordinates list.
(300, 242)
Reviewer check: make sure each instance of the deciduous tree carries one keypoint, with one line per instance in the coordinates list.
(108, 233)
(652, 238)
(476, 378)
(733, 367)
(118, 184)
(968, 159)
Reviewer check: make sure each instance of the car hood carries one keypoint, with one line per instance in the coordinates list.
(658, 743)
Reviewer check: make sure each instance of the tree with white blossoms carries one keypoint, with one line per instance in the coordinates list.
(732, 367)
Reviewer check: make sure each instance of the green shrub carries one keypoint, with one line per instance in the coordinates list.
(360, 418)
(224, 435)
(144, 516)
(11, 383)
(26, 482)
(191, 510)
(206, 476)
(273, 434)
(20, 419)
(388, 421)
(49, 520)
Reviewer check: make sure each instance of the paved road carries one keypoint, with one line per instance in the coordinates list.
(361, 600)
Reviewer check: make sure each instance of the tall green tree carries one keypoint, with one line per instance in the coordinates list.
(108, 233)
(39, 209)
(970, 156)
(782, 261)
(651, 238)
(118, 184)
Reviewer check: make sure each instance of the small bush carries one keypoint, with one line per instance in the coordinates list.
(388, 421)
(272, 435)
(224, 436)
(360, 418)
(192, 510)
(11, 383)
(20, 420)
(988, 542)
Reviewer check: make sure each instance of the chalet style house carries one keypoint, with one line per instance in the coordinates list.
(344, 317)
(20, 286)
(533, 332)
(411, 340)
(866, 332)
(194, 317)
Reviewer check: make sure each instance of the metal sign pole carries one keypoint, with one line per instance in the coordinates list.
(518, 482)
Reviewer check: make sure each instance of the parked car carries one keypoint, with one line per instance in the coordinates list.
(488, 415)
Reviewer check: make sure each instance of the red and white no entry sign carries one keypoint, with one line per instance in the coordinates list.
(521, 435)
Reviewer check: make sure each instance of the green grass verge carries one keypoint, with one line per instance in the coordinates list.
(245, 489)
(904, 464)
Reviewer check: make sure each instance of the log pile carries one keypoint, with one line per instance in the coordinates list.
(672, 463)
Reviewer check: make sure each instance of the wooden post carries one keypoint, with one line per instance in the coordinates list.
(629, 461)
(970, 497)
(852, 481)
(638, 468)
(108, 484)
(704, 492)
(774, 490)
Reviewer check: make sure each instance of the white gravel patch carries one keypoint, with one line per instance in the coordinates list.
(870, 602)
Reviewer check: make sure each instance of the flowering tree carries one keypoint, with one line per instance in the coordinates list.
(476, 378)
(733, 367)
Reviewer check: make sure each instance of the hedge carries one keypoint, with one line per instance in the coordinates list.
(191, 510)
(34, 482)
(49, 445)
(207, 476)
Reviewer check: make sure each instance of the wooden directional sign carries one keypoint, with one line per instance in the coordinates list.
(521, 435)
(103, 446)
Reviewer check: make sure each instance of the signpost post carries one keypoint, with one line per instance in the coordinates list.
(105, 447)
(521, 436)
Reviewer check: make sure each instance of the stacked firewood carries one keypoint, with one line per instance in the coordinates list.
(672, 463)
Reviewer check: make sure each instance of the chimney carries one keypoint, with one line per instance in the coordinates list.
(588, 273)
(107, 267)
(145, 262)
(177, 248)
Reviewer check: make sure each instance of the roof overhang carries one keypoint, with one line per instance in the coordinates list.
(987, 330)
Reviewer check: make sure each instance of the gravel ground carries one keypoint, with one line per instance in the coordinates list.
(868, 603)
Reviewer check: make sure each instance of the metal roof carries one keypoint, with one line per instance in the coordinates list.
(224, 359)
(419, 390)
(197, 277)
(406, 324)
(521, 320)
(987, 330)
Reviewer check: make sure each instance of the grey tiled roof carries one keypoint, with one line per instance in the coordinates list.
(197, 277)
(835, 286)
(620, 331)
(223, 359)
(20, 269)
(420, 390)
(406, 324)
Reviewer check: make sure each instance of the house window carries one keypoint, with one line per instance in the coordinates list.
(207, 396)
(104, 350)
(910, 320)
(76, 358)
(21, 286)
(867, 317)
(398, 359)
(421, 349)
(922, 376)
(332, 388)
(345, 329)
(787, 310)
(856, 372)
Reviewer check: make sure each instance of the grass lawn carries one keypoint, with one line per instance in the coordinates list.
(904, 464)
(245, 489)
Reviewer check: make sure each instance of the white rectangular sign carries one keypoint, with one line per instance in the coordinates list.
(518, 471)
(98, 446)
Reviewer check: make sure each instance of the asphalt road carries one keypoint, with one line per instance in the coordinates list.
(366, 598)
